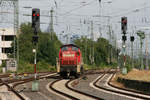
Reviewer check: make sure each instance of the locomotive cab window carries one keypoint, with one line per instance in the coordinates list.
(64, 48)
(74, 49)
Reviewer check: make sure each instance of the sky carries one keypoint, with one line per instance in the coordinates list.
(75, 16)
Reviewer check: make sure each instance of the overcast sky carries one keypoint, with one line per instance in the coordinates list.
(74, 16)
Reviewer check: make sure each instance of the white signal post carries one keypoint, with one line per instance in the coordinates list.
(34, 51)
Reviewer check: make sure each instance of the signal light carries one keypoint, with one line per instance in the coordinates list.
(35, 39)
(132, 38)
(124, 24)
(124, 38)
(38, 14)
(33, 14)
(36, 19)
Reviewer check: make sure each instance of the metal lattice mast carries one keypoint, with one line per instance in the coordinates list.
(141, 34)
(147, 52)
(100, 14)
(51, 23)
(110, 40)
(16, 26)
(132, 56)
(92, 45)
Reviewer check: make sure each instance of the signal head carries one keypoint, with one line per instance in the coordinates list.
(36, 19)
(124, 24)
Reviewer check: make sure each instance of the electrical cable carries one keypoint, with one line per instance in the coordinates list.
(68, 12)
(131, 11)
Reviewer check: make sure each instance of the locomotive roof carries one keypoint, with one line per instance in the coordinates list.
(69, 45)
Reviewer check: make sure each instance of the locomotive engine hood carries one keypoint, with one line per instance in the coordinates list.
(69, 58)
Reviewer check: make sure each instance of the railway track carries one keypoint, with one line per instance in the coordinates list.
(133, 93)
(15, 76)
(15, 82)
(12, 88)
(73, 94)
(70, 93)
(113, 89)
(131, 90)
(59, 92)
(28, 80)
(10, 81)
(31, 79)
(64, 88)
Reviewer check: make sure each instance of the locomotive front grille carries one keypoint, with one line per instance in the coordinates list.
(69, 62)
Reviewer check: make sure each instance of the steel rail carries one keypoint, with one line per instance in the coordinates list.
(119, 92)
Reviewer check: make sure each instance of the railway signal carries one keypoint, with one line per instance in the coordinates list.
(35, 20)
(35, 39)
(141, 34)
(35, 23)
(124, 24)
(132, 40)
(124, 38)
(36, 27)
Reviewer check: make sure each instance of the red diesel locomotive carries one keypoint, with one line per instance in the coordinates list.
(70, 61)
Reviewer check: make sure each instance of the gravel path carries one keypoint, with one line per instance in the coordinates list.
(42, 94)
(84, 86)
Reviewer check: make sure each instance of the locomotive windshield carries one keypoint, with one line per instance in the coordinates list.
(74, 49)
(65, 48)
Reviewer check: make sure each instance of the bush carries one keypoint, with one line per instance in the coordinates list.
(101, 66)
(128, 68)
(43, 66)
(87, 67)
(25, 67)
(3, 64)
(0, 69)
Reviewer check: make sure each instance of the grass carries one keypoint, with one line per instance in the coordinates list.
(135, 74)
(42, 67)
(27, 67)
(102, 66)
(0, 69)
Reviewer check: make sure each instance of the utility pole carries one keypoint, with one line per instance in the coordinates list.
(51, 24)
(100, 14)
(132, 58)
(68, 35)
(85, 54)
(92, 45)
(142, 36)
(16, 29)
(147, 68)
(110, 57)
(113, 43)
(141, 42)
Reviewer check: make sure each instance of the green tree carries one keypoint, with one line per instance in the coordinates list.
(101, 50)
(47, 50)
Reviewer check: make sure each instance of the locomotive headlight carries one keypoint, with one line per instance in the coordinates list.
(68, 55)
